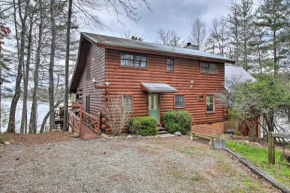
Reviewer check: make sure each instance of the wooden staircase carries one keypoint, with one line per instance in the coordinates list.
(162, 130)
(85, 124)
(88, 133)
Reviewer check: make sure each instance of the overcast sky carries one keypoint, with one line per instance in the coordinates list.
(175, 15)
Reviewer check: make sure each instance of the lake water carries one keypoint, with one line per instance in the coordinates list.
(41, 112)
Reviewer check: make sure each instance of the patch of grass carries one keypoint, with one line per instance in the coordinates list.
(2, 138)
(259, 156)
(189, 150)
(174, 173)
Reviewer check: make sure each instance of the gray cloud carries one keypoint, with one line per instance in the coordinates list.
(175, 15)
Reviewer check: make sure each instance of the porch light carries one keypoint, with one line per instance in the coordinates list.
(107, 83)
(94, 81)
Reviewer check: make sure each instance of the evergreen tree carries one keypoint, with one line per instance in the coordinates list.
(273, 17)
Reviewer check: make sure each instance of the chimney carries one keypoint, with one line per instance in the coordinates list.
(190, 46)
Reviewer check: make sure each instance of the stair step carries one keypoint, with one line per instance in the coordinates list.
(162, 132)
(89, 136)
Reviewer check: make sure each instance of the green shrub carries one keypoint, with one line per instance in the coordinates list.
(177, 121)
(145, 126)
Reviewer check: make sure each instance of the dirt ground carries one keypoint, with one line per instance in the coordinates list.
(123, 165)
(32, 139)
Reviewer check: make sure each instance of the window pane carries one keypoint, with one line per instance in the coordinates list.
(128, 102)
(204, 70)
(152, 102)
(179, 101)
(127, 56)
(209, 104)
(144, 58)
(127, 62)
(137, 63)
(143, 64)
(204, 65)
(170, 65)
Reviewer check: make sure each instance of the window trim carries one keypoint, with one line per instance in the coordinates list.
(200, 96)
(184, 101)
(173, 65)
(134, 55)
(200, 62)
(210, 112)
(132, 101)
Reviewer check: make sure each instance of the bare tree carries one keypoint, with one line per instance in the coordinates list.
(22, 14)
(33, 115)
(23, 127)
(198, 33)
(51, 65)
(118, 113)
(168, 38)
(218, 36)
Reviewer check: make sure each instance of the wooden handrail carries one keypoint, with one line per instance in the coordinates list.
(88, 119)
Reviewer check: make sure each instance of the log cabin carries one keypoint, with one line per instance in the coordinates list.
(154, 78)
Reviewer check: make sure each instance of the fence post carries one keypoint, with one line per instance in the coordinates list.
(271, 148)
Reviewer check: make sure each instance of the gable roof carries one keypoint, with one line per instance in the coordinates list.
(236, 75)
(133, 44)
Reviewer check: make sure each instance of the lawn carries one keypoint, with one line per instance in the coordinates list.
(259, 156)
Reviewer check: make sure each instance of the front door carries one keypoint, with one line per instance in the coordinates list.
(153, 106)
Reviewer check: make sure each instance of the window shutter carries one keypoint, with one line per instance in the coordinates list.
(88, 104)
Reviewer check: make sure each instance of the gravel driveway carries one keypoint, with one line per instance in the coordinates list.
(123, 165)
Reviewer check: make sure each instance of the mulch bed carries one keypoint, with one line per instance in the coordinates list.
(32, 139)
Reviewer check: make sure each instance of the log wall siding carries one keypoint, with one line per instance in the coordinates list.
(96, 57)
(127, 80)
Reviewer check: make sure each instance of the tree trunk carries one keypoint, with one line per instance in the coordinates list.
(11, 122)
(47, 115)
(33, 115)
(51, 67)
(65, 126)
(23, 127)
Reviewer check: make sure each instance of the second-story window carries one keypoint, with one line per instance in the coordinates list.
(132, 60)
(208, 68)
(170, 65)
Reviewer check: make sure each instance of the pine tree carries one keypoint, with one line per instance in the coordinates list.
(273, 17)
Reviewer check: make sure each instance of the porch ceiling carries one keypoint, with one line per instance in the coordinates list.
(158, 88)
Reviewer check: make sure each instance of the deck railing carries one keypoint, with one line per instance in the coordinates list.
(91, 122)
(82, 117)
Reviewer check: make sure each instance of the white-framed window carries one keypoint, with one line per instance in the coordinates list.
(128, 102)
(133, 60)
(170, 65)
(210, 104)
(179, 101)
(208, 68)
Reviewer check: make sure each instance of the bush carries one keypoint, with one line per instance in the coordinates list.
(177, 121)
(145, 126)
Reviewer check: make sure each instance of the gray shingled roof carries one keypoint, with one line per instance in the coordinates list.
(236, 75)
(159, 88)
(127, 43)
